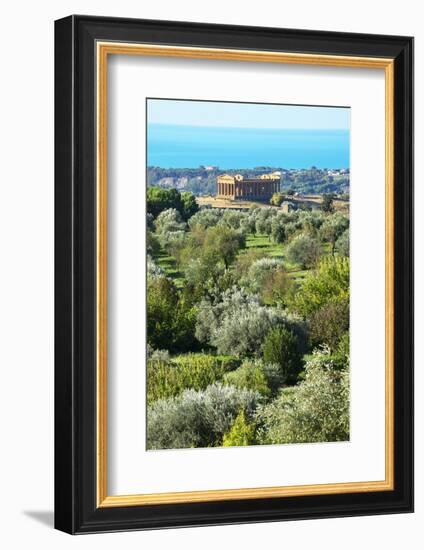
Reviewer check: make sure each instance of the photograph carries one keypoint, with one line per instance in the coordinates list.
(247, 273)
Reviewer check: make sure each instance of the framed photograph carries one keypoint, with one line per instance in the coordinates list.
(234, 274)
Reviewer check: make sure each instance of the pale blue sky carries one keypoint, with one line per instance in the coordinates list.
(246, 115)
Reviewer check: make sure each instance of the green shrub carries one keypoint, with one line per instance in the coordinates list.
(259, 272)
(169, 378)
(328, 283)
(281, 347)
(330, 322)
(159, 199)
(242, 433)
(342, 244)
(197, 418)
(333, 227)
(277, 199)
(171, 317)
(189, 205)
(275, 376)
(317, 410)
(343, 347)
(256, 375)
(250, 376)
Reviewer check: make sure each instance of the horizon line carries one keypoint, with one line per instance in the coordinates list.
(245, 167)
(247, 127)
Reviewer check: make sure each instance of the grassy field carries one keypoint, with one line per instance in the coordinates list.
(259, 242)
(169, 265)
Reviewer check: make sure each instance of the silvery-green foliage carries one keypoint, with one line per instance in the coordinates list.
(247, 224)
(153, 270)
(278, 232)
(311, 221)
(172, 240)
(303, 250)
(316, 410)
(259, 271)
(263, 220)
(223, 403)
(197, 418)
(169, 221)
(342, 244)
(205, 273)
(233, 219)
(243, 331)
(206, 217)
(150, 221)
(238, 323)
(161, 355)
(290, 228)
(333, 227)
(275, 376)
(212, 309)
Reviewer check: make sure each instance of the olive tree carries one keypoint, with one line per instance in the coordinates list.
(303, 250)
(237, 323)
(197, 418)
(316, 410)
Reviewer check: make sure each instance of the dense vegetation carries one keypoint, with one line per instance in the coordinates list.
(247, 324)
(202, 180)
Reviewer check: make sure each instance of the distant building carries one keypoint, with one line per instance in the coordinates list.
(240, 188)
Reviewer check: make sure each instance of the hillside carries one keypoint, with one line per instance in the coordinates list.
(201, 181)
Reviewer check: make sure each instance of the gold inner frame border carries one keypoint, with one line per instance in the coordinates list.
(103, 50)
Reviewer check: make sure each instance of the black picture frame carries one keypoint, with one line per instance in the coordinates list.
(76, 510)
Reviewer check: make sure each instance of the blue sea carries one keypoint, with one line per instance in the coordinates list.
(173, 146)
